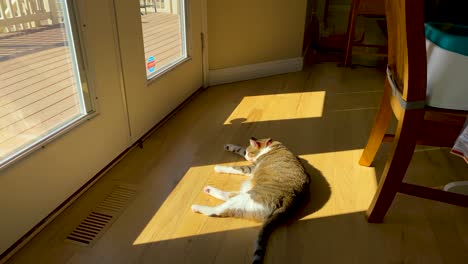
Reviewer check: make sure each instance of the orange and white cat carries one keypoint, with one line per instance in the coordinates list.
(276, 180)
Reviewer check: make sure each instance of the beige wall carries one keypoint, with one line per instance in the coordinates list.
(253, 31)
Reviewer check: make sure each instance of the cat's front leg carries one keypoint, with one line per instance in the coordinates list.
(241, 170)
(239, 150)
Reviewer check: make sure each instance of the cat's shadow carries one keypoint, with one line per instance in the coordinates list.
(316, 197)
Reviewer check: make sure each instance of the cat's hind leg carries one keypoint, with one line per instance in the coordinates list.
(219, 194)
(242, 170)
(239, 150)
(239, 206)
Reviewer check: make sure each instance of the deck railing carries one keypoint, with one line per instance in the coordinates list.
(16, 15)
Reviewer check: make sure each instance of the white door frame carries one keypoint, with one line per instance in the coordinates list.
(204, 39)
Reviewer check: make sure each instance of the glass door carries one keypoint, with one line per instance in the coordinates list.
(161, 51)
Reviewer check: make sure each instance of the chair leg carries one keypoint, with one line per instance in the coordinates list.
(381, 123)
(350, 32)
(397, 164)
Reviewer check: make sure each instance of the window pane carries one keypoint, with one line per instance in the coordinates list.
(40, 86)
(163, 23)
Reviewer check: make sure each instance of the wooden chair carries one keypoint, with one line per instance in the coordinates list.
(370, 8)
(404, 95)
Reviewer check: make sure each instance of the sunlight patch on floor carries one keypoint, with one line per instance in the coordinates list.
(279, 107)
(351, 189)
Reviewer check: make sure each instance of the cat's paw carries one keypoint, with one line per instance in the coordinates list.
(196, 208)
(229, 147)
(239, 150)
(208, 189)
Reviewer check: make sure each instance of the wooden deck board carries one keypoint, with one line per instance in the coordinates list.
(46, 125)
(28, 86)
(17, 74)
(32, 107)
(37, 87)
(33, 97)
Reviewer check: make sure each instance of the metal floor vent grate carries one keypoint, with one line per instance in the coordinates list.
(100, 219)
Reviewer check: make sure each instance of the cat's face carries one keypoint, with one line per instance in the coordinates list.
(256, 148)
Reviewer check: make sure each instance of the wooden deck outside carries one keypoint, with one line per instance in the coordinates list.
(37, 87)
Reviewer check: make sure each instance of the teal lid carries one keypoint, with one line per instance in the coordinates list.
(448, 36)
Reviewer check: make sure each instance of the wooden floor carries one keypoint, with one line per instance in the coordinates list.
(324, 115)
(37, 87)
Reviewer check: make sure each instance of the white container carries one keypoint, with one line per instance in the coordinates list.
(447, 71)
(460, 187)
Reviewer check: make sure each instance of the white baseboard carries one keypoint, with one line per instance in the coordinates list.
(254, 71)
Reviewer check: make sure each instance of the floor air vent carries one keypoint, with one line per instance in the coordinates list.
(89, 229)
(100, 219)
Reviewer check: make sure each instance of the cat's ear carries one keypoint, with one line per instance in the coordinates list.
(269, 141)
(254, 143)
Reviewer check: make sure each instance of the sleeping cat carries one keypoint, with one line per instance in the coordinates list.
(275, 184)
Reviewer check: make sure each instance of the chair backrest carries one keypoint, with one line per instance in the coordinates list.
(407, 47)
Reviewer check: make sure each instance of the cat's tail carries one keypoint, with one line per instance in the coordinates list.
(275, 219)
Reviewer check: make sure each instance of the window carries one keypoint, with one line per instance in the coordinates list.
(164, 34)
(42, 89)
